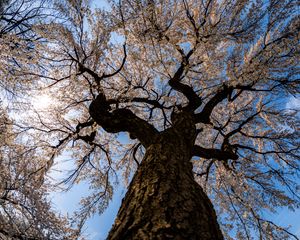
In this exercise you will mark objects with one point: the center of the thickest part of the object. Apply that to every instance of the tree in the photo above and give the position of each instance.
(25, 209)
(199, 86)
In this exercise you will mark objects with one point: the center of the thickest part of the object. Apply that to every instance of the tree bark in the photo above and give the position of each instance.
(163, 200)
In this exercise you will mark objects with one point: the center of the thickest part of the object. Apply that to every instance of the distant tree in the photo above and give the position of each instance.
(17, 38)
(200, 87)
(25, 209)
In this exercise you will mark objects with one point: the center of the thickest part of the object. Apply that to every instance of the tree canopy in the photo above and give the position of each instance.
(25, 209)
(137, 68)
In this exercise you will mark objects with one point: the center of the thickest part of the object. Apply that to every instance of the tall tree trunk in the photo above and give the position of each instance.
(163, 200)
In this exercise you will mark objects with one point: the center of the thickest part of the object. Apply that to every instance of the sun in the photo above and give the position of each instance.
(42, 102)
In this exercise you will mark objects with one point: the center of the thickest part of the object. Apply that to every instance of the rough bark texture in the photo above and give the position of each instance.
(163, 200)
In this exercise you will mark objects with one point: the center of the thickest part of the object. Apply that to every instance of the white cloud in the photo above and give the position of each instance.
(293, 103)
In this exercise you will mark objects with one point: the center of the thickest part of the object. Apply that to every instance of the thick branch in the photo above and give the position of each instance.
(194, 100)
(152, 102)
(204, 115)
(210, 153)
(121, 120)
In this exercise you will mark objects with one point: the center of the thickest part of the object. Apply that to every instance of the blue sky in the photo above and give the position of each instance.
(98, 226)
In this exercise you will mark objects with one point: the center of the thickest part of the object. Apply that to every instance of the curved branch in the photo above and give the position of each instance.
(121, 120)
(204, 115)
(194, 100)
